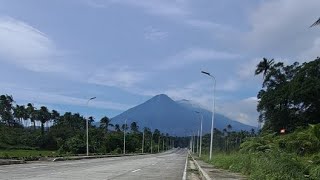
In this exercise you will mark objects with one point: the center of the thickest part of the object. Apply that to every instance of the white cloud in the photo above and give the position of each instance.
(195, 55)
(27, 47)
(154, 34)
(203, 24)
(218, 30)
(246, 70)
(228, 85)
(281, 28)
(96, 3)
(243, 110)
(39, 97)
(312, 53)
(117, 76)
(193, 92)
(155, 7)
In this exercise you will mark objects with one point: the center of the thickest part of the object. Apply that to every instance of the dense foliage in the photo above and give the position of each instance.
(269, 156)
(290, 97)
(290, 100)
(66, 133)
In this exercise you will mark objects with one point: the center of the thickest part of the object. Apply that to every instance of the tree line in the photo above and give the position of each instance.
(290, 95)
(66, 133)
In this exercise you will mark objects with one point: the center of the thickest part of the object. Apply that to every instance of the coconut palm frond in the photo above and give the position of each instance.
(316, 23)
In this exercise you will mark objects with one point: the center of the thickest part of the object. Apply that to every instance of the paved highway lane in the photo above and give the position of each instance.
(168, 165)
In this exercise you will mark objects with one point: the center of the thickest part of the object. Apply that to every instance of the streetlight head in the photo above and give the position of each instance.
(93, 98)
(206, 73)
(197, 112)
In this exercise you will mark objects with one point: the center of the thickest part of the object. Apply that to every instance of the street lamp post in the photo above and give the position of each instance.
(142, 140)
(87, 126)
(159, 144)
(200, 137)
(163, 144)
(124, 136)
(198, 142)
(151, 140)
(194, 142)
(213, 110)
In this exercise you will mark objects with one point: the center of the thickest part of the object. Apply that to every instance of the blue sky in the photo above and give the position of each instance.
(60, 53)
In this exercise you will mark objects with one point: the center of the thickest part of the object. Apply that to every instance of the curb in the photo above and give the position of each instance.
(202, 172)
(9, 162)
(92, 157)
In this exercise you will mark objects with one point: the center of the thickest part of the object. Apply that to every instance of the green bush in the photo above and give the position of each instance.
(315, 172)
(272, 156)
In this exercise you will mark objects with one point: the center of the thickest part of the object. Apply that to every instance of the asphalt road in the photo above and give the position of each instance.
(168, 165)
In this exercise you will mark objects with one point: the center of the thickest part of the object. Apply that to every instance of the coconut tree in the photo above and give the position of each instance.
(43, 115)
(134, 127)
(229, 127)
(105, 123)
(54, 116)
(6, 110)
(31, 114)
(19, 112)
(316, 23)
(264, 66)
(117, 128)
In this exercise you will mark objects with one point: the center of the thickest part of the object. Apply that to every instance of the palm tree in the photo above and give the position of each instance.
(134, 127)
(6, 109)
(264, 66)
(43, 116)
(54, 116)
(316, 23)
(117, 127)
(124, 127)
(105, 122)
(18, 113)
(31, 114)
(229, 127)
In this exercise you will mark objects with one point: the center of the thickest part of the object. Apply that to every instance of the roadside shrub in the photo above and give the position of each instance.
(315, 172)
(117, 151)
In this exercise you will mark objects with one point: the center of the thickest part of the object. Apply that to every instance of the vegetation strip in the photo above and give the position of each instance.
(202, 172)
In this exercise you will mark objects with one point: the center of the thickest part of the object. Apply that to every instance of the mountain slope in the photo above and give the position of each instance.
(177, 118)
(221, 121)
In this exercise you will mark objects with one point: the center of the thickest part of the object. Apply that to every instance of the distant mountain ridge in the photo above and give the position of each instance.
(175, 117)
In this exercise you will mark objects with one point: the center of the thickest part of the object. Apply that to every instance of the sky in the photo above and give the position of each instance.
(61, 53)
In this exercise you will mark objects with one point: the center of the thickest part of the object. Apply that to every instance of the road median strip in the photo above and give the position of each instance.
(11, 161)
(93, 157)
(202, 173)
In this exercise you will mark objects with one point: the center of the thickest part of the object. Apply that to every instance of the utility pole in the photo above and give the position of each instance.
(213, 110)
(87, 126)
(124, 136)
(159, 144)
(163, 144)
(142, 140)
(198, 143)
(151, 141)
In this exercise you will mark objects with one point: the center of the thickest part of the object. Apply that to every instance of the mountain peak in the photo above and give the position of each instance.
(162, 96)
(177, 117)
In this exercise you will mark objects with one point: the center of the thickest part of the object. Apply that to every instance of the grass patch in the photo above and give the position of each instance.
(269, 156)
(263, 165)
(268, 165)
(26, 154)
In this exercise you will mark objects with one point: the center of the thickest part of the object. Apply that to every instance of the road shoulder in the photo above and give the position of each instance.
(214, 173)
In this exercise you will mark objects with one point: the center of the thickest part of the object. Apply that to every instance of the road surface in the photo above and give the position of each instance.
(168, 165)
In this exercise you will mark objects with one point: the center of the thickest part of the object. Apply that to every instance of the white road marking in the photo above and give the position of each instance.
(136, 170)
(184, 177)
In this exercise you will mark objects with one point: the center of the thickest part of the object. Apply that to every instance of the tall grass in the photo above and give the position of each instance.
(26, 154)
(293, 156)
